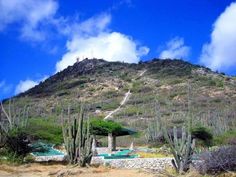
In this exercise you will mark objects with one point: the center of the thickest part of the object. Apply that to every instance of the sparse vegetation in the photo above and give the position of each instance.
(102, 86)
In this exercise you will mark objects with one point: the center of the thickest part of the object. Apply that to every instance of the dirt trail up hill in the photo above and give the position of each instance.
(125, 99)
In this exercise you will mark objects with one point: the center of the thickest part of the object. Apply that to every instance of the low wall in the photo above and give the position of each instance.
(135, 163)
(57, 158)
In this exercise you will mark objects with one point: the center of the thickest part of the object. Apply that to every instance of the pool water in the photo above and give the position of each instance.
(42, 149)
(49, 152)
(123, 154)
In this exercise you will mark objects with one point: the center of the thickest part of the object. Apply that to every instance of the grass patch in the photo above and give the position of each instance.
(152, 155)
(45, 129)
(227, 138)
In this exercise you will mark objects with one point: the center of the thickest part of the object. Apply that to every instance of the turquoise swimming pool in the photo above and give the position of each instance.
(42, 149)
(123, 154)
(49, 152)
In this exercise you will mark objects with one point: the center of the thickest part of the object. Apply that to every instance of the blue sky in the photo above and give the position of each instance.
(41, 37)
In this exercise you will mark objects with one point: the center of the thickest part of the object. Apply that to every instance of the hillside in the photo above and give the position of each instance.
(163, 87)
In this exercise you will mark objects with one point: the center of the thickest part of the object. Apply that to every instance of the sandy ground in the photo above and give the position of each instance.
(40, 170)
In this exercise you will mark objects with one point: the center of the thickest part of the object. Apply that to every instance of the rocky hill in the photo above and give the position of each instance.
(166, 88)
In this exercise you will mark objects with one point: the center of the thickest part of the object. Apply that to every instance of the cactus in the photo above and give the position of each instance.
(11, 119)
(181, 148)
(153, 132)
(14, 118)
(77, 139)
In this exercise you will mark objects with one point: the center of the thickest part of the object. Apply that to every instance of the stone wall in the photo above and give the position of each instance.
(136, 163)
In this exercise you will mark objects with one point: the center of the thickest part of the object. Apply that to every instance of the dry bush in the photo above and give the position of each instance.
(220, 160)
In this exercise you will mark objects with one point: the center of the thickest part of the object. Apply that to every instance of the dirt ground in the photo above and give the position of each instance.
(55, 170)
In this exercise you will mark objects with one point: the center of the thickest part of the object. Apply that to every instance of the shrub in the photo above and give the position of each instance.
(17, 143)
(216, 82)
(202, 133)
(29, 158)
(100, 126)
(136, 86)
(125, 77)
(222, 159)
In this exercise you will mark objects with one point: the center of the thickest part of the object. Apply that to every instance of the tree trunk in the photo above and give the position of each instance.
(114, 143)
(110, 142)
(94, 146)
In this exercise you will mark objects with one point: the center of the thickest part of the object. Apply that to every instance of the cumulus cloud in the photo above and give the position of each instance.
(27, 84)
(220, 53)
(175, 48)
(93, 39)
(29, 14)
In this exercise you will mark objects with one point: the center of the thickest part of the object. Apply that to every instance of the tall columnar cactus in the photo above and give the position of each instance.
(181, 148)
(77, 139)
(153, 131)
(12, 117)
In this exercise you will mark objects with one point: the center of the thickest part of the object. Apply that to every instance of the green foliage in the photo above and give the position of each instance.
(7, 156)
(209, 81)
(175, 81)
(202, 133)
(225, 137)
(100, 126)
(29, 158)
(45, 130)
(216, 82)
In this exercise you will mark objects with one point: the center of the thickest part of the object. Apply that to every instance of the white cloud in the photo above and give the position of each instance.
(29, 14)
(220, 53)
(175, 48)
(85, 39)
(93, 39)
(27, 84)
